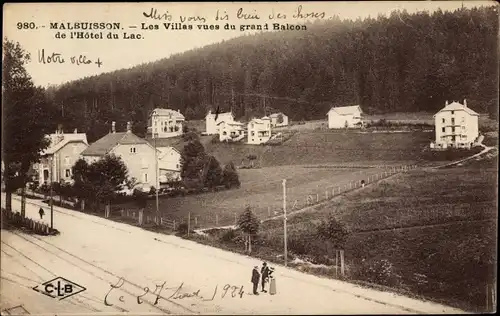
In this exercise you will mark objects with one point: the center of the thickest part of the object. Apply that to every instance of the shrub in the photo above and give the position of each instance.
(182, 228)
(33, 186)
(378, 271)
(228, 235)
(215, 139)
(333, 232)
(230, 176)
(152, 190)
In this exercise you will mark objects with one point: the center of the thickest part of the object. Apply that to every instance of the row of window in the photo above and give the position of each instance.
(164, 123)
(443, 138)
(452, 129)
(462, 120)
(168, 129)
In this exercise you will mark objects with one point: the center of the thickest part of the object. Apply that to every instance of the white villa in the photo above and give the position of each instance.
(345, 117)
(211, 122)
(456, 126)
(165, 123)
(58, 159)
(137, 154)
(278, 120)
(231, 131)
(169, 158)
(259, 130)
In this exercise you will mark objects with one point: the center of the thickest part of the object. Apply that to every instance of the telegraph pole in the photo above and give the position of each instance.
(51, 193)
(284, 220)
(157, 184)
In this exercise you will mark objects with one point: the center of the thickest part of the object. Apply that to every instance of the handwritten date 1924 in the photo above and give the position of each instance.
(178, 293)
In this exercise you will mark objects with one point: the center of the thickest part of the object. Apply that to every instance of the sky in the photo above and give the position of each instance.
(30, 25)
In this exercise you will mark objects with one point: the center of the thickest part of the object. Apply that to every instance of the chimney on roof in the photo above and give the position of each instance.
(113, 127)
(129, 127)
(446, 103)
(465, 102)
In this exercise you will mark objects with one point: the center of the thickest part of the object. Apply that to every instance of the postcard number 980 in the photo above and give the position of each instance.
(26, 25)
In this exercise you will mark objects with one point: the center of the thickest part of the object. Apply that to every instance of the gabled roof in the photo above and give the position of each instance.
(258, 121)
(167, 112)
(175, 142)
(346, 110)
(104, 145)
(55, 145)
(232, 123)
(276, 114)
(455, 106)
(221, 115)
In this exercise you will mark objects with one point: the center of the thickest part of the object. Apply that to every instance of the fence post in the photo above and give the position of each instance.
(342, 262)
(216, 219)
(487, 298)
(268, 211)
(336, 263)
(189, 222)
(317, 197)
(175, 226)
(196, 221)
(235, 220)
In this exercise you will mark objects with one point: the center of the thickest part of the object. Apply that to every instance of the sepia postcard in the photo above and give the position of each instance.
(249, 158)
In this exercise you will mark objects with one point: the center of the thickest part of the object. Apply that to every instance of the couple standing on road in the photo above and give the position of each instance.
(266, 276)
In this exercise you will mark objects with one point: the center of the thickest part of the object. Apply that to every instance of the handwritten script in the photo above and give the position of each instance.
(178, 293)
(58, 58)
(299, 13)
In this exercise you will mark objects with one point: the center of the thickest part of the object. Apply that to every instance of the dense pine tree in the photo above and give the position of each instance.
(403, 62)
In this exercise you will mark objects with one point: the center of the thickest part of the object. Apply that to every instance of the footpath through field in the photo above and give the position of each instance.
(486, 149)
(374, 179)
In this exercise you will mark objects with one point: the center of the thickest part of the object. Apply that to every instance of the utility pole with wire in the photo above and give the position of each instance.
(157, 185)
(284, 221)
(232, 100)
(51, 193)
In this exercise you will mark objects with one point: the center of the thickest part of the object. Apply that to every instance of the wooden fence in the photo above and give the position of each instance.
(15, 219)
(147, 219)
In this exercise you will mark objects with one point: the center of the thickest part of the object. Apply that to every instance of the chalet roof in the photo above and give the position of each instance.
(258, 121)
(276, 114)
(221, 115)
(346, 110)
(175, 142)
(105, 144)
(58, 141)
(167, 112)
(456, 106)
(232, 123)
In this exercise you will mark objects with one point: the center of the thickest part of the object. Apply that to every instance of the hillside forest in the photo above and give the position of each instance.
(398, 63)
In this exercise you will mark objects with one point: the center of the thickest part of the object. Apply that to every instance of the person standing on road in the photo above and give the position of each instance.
(255, 279)
(265, 276)
(272, 282)
(41, 212)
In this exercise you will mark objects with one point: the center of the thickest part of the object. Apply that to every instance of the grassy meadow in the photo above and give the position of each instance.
(315, 163)
(323, 147)
(261, 189)
(432, 233)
